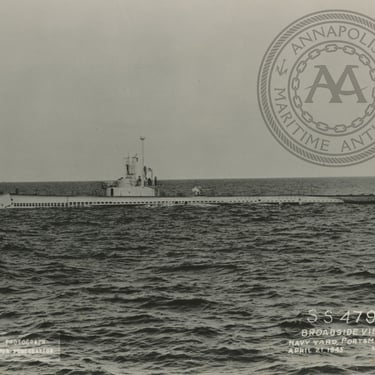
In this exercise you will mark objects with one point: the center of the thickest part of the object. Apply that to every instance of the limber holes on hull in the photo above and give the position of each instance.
(165, 203)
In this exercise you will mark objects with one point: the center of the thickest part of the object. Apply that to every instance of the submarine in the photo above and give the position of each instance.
(139, 187)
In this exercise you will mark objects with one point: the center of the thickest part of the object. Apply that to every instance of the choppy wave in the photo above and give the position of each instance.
(185, 290)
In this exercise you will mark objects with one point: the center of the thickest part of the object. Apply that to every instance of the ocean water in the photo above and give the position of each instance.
(186, 290)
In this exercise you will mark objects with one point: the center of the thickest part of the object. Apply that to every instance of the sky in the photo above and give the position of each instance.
(81, 80)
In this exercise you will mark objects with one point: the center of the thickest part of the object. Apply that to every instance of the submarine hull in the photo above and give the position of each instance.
(15, 201)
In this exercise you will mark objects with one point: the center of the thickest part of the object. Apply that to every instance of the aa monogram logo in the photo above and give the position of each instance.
(336, 89)
(316, 88)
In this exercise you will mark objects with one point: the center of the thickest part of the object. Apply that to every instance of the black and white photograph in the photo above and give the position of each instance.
(187, 187)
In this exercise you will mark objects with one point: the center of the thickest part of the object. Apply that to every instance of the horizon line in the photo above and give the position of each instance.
(192, 178)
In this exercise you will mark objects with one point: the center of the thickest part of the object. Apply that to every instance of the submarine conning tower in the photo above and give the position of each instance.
(138, 179)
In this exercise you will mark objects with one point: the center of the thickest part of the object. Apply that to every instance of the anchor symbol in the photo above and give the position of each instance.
(281, 69)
